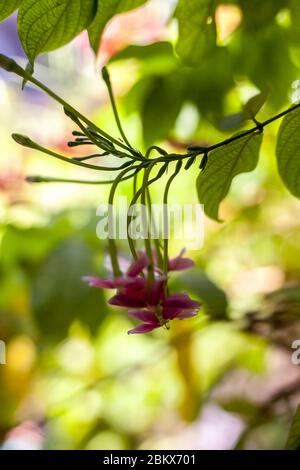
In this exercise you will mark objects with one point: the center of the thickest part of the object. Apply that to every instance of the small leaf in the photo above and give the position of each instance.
(105, 12)
(240, 406)
(288, 151)
(224, 163)
(231, 121)
(254, 105)
(7, 7)
(155, 51)
(293, 442)
(197, 30)
(49, 24)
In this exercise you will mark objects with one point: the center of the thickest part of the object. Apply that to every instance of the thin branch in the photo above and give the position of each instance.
(106, 78)
(50, 179)
(10, 65)
(258, 128)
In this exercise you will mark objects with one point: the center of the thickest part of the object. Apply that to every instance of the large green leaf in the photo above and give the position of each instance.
(60, 296)
(288, 151)
(224, 163)
(161, 107)
(293, 442)
(7, 7)
(105, 12)
(48, 24)
(197, 30)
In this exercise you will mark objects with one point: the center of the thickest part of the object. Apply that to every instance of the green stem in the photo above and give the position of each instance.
(158, 149)
(49, 179)
(147, 240)
(156, 239)
(107, 81)
(134, 200)
(111, 242)
(27, 142)
(166, 217)
(11, 66)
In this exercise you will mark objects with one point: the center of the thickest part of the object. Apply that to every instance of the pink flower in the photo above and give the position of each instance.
(139, 296)
(174, 306)
(149, 302)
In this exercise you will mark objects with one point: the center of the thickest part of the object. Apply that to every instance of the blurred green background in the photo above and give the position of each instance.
(74, 379)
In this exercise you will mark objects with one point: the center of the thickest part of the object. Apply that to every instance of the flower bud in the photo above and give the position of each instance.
(23, 140)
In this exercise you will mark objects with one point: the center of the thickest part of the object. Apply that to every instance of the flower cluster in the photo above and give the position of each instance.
(149, 302)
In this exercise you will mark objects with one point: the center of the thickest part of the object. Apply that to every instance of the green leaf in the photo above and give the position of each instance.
(197, 30)
(264, 69)
(293, 442)
(213, 298)
(240, 406)
(288, 151)
(224, 163)
(161, 107)
(258, 14)
(295, 18)
(105, 12)
(254, 105)
(150, 51)
(7, 7)
(59, 296)
(49, 24)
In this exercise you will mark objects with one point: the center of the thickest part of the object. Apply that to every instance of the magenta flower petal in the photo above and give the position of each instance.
(182, 301)
(144, 328)
(114, 283)
(176, 305)
(187, 314)
(169, 313)
(144, 315)
(138, 265)
(101, 283)
(133, 283)
(144, 299)
(157, 292)
(123, 299)
(179, 263)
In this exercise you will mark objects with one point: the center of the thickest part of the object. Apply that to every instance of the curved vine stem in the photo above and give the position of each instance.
(156, 234)
(166, 218)
(11, 66)
(111, 241)
(50, 179)
(135, 199)
(27, 142)
(145, 223)
(107, 81)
